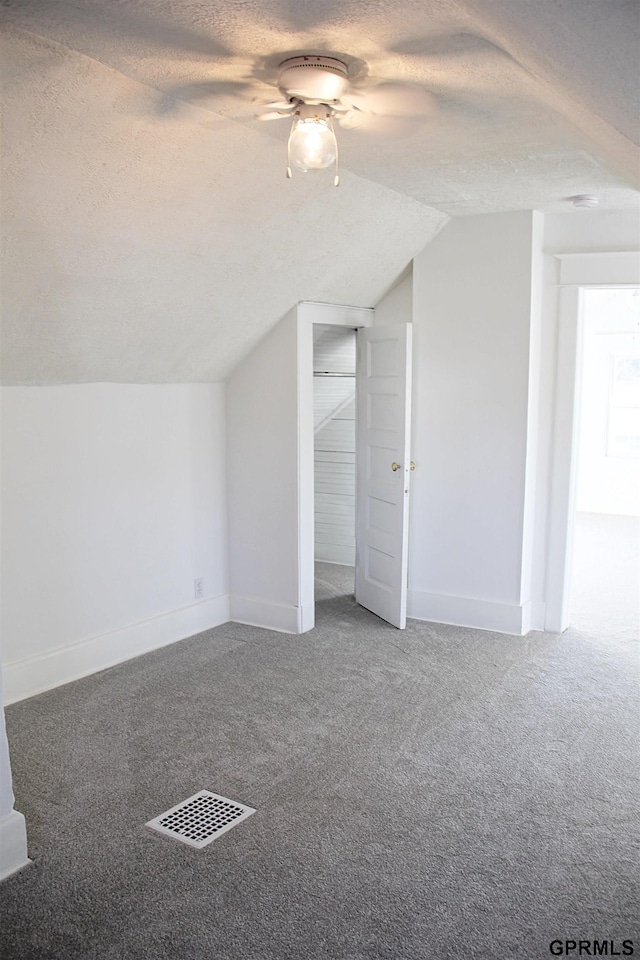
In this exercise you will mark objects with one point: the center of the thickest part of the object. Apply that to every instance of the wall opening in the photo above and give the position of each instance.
(334, 401)
(606, 542)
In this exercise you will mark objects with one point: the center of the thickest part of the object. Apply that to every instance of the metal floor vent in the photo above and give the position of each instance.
(200, 819)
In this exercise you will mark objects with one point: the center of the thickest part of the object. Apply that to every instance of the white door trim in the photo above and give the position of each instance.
(564, 460)
(335, 313)
(577, 272)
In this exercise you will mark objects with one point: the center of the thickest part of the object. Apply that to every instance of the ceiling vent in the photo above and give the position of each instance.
(585, 200)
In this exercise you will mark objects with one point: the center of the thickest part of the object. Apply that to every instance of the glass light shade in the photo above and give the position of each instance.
(312, 144)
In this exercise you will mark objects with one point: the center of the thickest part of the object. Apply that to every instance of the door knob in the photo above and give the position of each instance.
(413, 465)
(395, 466)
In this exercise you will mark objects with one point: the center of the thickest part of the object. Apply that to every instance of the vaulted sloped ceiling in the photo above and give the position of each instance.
(149, 232)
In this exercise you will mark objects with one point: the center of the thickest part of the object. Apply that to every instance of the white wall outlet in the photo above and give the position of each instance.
(198, 588)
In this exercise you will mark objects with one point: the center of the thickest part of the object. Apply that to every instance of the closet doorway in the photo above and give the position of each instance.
(334, 409)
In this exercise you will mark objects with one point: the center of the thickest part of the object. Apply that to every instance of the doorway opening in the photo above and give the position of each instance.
(334, 409)
(381, 460)
(605, 577)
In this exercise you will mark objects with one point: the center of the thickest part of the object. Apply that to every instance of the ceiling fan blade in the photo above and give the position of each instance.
(393, 100)
(379, 126)
(449, 47)
(273, 110)
(462, 62)
(350, 118)
(174, 97)
(272, 115)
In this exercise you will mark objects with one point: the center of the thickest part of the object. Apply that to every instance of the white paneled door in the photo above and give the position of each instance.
(383, 470)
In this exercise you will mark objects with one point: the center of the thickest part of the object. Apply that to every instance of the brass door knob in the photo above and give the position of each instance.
(395, 466)
(413, 465)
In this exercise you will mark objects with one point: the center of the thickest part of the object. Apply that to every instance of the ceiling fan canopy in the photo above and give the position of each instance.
(313, 80)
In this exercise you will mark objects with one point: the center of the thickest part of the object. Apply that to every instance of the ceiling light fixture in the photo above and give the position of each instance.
(316, 90)
(312, 142)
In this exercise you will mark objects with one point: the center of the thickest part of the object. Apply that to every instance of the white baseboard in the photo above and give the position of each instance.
(13, 844)
(25, 678)
(282, 617)
(510, 618)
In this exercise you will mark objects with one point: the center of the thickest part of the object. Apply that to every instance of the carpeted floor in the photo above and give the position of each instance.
(605, 592)
(333, 580)
(433, 793)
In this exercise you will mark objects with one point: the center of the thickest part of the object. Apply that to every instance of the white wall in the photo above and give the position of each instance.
(113, 502)
(473, 300)
(263, 481)
(397, 305)
(592, 231)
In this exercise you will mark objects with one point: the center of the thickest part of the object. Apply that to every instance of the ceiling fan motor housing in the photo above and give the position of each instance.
(313, 79)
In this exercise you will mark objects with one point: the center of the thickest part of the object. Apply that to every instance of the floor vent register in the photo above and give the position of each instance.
(200, 819)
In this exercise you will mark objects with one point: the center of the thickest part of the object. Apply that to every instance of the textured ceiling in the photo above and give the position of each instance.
(150, 234)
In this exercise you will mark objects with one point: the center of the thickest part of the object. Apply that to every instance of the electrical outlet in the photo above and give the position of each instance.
(198, 588)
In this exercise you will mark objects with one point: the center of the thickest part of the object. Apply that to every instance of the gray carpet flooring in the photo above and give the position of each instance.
(605, 592)
(437, 792)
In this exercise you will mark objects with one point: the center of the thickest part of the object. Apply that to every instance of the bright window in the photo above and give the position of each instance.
(623, 422)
